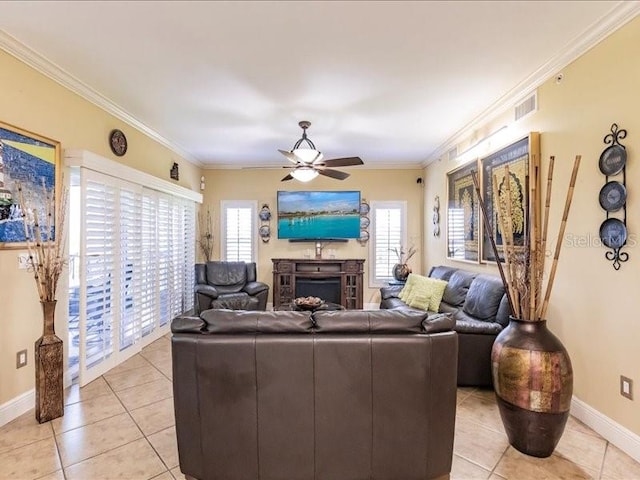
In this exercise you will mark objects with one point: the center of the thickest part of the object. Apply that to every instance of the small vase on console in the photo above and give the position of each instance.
(401, 271)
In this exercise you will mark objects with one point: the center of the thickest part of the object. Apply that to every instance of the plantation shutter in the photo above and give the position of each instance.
(149, 268)
(164, 258)
(99, 272)
(388, 226)
(176, 270)
(238, 231)
(130, 265)
(136, 251)
(189, 255)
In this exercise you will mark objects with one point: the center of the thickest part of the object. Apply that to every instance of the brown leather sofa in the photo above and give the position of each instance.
(479, 306)
(231, 285)
(333, 395)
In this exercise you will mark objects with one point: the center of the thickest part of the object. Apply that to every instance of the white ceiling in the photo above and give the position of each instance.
(225, 83)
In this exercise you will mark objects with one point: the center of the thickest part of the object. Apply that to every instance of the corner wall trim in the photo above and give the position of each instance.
(16, 407)
(621, 437)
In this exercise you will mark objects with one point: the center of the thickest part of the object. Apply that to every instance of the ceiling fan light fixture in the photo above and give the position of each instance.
(304, 174)
(307, 155)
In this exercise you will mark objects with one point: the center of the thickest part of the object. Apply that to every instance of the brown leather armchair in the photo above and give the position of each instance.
(230, 285)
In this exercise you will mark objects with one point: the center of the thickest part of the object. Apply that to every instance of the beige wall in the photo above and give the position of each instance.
(35, 103)
(593, 308)
(262, 185)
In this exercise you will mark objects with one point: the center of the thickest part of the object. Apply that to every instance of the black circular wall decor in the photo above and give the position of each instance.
(118, 142)
(612, 160)
(613, 233)
(613, 196)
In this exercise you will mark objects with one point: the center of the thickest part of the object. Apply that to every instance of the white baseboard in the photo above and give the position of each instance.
(16, 407)
(621, 437)
(23, 403)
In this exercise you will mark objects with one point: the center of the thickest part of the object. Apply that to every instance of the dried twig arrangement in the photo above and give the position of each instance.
(205, 238)
(45, 238)
(404, 255)
(523, 273)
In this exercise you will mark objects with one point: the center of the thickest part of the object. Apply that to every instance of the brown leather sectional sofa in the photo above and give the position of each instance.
(333, 395)
(479, 307)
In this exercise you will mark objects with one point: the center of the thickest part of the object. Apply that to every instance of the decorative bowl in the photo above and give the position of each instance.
(308, 303)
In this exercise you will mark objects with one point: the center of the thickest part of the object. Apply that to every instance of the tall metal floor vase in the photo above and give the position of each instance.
(45, 244)
(49, 369)
(532, 373)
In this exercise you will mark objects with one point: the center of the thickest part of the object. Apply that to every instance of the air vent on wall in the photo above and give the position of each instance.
(527, 106)
(453, 153)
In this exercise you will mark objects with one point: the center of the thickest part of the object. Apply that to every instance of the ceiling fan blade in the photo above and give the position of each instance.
(337, 174)
(343, 162)
(288, 177)
(290, 156)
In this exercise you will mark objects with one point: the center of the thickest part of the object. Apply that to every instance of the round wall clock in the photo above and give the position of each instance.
(118, 142)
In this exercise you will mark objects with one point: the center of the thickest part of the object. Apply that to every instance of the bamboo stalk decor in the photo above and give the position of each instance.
(534, 409)
(523, 273)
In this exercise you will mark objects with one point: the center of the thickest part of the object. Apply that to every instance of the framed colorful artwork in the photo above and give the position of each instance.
(30, 160)
(463, 220)
(523, 160)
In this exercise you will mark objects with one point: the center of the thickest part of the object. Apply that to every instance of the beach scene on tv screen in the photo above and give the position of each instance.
(318, 215)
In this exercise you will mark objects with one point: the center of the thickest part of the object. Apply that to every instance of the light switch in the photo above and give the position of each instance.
(23, 261)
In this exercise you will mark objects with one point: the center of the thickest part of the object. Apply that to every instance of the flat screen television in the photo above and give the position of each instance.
(318, 216)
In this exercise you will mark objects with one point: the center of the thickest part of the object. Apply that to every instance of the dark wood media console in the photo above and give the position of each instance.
(318, 277)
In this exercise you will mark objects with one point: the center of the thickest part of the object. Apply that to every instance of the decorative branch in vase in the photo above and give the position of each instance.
(205, 238)
(401, 270)
(45, 240)
(532, 372)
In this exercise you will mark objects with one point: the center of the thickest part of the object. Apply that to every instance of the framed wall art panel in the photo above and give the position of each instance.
(463, 219)
(28, 159)
(523, 159)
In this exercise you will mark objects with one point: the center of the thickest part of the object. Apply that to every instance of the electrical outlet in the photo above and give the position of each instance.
(21, 359)
(626, 387)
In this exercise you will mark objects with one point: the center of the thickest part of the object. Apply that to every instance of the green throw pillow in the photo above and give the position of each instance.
(420, 300)
(428, 287)
(408, 286)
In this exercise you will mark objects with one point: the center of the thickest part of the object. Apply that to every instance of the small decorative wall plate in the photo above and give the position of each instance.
(364, 236)
(613, 233)
(364, 222)
(265, 213)
(613, 160)
(118, 142)
(613, 196)
(265, 231)
(364, 208)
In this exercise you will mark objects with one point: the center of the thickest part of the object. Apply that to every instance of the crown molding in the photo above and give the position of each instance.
(622, 13)
(57, 74)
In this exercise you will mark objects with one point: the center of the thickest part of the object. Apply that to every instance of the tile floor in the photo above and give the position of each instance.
(122, 426)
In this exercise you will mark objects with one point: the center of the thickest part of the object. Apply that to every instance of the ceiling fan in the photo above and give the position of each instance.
(309, 162)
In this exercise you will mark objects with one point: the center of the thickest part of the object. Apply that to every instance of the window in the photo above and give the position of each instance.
(389, 230)
(238, 231)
